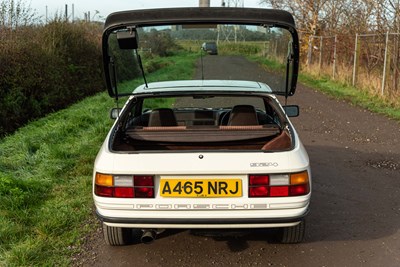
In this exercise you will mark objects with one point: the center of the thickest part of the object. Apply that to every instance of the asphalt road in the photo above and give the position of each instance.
(355, 209)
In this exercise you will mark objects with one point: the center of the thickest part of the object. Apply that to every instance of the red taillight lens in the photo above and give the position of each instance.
(299, 190)
(103, 191)
(279, 191)
(123, 192)
(258, 185)
(144, 186)
(259, 191)
(258, 180)
(144, 192)
(143, 181)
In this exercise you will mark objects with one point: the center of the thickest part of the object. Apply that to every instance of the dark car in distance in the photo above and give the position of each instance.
(210, 48)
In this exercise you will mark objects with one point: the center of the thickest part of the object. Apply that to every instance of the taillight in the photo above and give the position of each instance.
(144, 186)
(103, 191)
(279, 185)
(258, 185)
(279, 191)
(143, 181)
(124, 186)
(258, 179)
(123, 192)
(144, 192)
(299, 190)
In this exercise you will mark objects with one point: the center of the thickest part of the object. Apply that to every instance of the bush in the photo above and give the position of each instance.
(159, 43)
(47, 68)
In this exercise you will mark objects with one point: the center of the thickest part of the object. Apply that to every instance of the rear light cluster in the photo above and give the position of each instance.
(124, 186)
(279, 185)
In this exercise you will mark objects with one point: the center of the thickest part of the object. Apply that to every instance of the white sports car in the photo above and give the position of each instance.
(202, 153)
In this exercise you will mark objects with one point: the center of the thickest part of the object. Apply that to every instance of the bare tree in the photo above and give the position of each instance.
(308, 13)
(16, 13)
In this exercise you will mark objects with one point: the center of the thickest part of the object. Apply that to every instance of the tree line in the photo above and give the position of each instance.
(368, 32)
(330, 17)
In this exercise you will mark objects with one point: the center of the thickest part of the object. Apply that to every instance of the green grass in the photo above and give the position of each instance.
(352, 94)
(174, 67)
(45, 184)
(338, 90)
(45, 179)
(181, 67)
(269, 64)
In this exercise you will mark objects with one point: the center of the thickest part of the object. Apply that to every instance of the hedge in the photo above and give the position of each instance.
(47, 68)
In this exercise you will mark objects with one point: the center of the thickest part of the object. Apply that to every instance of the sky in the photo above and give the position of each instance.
(106, 7)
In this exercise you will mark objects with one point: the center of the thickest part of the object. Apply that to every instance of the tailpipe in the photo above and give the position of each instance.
(148, 236)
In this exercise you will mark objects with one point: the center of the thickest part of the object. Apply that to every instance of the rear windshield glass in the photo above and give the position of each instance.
(220, 51)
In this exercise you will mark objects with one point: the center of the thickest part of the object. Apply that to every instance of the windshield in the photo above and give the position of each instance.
(139, 55)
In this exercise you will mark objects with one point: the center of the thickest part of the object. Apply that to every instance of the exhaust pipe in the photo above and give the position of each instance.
(148, 236)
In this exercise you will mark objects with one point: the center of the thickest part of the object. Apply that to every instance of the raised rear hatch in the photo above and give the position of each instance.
(132, 39)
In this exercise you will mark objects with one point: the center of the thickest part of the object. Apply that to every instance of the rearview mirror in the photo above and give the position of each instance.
(292, 110)
(114, 113)
(127, 40)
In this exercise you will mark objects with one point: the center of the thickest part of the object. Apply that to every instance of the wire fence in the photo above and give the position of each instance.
(369, 61)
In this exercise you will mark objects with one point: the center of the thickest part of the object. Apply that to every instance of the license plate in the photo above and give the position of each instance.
(201, 187)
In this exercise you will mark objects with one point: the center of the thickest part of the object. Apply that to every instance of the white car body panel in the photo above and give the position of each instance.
(212, 164)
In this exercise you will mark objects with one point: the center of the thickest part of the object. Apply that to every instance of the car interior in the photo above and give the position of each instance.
(240, 127)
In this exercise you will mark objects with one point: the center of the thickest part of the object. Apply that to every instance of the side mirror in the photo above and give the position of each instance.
(292, 110)
(114, 113)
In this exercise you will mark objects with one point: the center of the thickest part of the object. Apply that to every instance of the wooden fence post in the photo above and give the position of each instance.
(334, 57)
(385, 62)
(356, 54)
(320, 53)
(396, 62)
(309, 55)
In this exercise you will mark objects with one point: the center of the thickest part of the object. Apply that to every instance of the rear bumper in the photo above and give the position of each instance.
(201, 223)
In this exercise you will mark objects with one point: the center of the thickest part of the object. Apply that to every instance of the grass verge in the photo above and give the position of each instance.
(339, 90)
(45, 179)
(353, 95)
(45, 185)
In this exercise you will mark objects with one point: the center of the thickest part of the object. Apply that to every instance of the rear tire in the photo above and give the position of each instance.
(294, 234)
(117, 236)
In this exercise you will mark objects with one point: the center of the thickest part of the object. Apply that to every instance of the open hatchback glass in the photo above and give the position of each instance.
(133, 39)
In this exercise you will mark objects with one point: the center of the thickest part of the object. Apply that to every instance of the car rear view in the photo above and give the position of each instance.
(201, 153)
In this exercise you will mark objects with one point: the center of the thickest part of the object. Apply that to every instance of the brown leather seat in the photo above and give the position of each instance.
(162, 117)
(243, 115)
